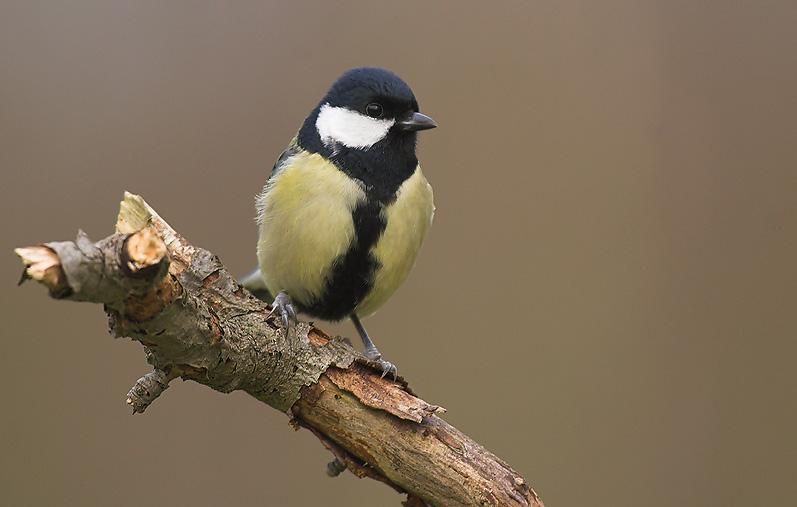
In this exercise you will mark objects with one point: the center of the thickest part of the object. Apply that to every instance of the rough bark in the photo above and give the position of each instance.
(196, 322)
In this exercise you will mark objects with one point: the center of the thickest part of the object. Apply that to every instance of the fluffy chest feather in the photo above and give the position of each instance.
(305, 216)
(330, 247)
(408, 218)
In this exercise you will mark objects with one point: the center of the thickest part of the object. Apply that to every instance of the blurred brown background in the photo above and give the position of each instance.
(606, 300)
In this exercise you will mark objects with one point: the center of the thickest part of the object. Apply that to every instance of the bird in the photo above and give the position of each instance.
(346, 208)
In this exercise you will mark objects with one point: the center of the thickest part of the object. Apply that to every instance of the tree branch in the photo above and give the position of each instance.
(196, 322)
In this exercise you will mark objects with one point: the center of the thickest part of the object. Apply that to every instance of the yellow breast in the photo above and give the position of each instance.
(305, 215)
(407, 218)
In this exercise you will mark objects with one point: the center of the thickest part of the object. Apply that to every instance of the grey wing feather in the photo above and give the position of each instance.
(292, 149)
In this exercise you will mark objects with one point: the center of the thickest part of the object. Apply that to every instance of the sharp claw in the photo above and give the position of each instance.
(282, 304)
(388, 368)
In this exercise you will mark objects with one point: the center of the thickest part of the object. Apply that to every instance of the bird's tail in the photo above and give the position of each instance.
(254, 283)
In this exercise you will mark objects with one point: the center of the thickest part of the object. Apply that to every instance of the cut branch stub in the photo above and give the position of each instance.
(143, 252)
(43, 265)
(107, 272)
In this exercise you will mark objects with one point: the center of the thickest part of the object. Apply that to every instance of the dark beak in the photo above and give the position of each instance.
(417, 121)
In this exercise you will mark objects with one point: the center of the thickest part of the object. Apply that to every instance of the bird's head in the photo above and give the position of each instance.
(366, 106)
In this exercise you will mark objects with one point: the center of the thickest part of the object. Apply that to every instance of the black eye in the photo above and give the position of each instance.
(374, 110)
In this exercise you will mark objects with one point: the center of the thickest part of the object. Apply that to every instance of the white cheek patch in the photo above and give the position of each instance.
(338, 125)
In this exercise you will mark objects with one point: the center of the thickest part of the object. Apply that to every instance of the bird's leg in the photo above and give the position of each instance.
(284, 307)
(371, 352)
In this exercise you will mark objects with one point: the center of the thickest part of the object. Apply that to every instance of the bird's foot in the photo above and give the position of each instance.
(284, 307)
(373, 354)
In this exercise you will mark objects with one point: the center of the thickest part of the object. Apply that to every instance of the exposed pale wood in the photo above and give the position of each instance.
(144, 249)
(196, 322)
(431, 458)
(43, 265)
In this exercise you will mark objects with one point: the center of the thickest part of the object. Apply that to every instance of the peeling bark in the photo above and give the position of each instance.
(197, 323)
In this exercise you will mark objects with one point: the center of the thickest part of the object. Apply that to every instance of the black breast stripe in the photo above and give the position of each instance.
(352, 274)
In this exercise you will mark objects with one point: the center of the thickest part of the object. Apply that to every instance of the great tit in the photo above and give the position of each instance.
(346, 208)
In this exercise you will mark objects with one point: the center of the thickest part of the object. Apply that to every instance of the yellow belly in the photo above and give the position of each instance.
(408, 218)
(305, 215)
